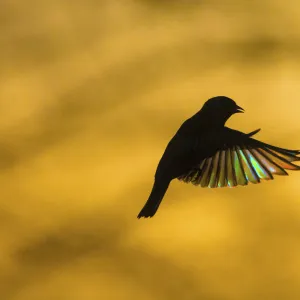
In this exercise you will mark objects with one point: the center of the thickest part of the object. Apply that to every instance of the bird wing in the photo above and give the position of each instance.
(242, 160)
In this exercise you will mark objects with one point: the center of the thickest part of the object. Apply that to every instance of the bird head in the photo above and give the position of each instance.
(220, 109)
(224, 104)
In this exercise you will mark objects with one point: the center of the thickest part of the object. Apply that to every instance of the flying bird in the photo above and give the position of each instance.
(208, 154)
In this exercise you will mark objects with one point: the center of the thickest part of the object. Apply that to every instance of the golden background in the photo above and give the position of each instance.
(91, 92)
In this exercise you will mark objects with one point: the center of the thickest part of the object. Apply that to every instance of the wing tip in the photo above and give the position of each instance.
(253, 132)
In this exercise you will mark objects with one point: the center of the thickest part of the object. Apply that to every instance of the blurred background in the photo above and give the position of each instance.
(91, 92)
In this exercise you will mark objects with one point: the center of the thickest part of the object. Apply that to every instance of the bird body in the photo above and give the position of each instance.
(206, 152)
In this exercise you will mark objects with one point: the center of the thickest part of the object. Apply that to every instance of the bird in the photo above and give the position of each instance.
(206, 153)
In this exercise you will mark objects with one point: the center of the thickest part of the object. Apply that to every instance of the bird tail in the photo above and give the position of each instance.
(158, 191)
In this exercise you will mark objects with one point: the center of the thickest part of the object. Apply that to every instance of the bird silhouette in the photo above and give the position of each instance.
(207, 153)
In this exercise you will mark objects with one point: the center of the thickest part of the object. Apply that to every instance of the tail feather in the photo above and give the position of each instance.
(158, 191)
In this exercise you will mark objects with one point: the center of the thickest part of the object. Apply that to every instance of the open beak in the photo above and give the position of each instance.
(239, 109)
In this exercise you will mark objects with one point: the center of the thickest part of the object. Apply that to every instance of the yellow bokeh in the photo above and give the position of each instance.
(90, 94)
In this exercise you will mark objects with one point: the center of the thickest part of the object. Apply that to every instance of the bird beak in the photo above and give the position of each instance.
(239, 109)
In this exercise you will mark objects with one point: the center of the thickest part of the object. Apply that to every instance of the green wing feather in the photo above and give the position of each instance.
(251, 161)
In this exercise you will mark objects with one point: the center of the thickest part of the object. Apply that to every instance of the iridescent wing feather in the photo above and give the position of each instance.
(250, 161)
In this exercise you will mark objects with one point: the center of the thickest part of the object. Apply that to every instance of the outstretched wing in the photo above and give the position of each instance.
(245, 160)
